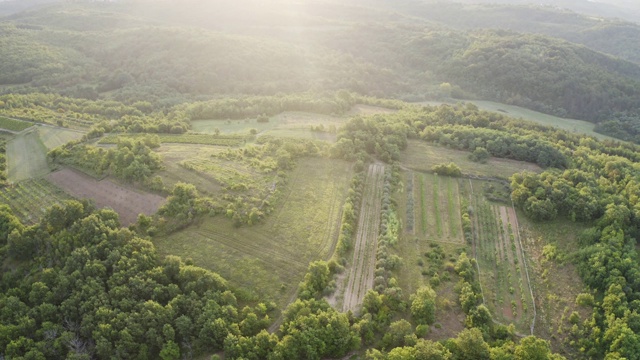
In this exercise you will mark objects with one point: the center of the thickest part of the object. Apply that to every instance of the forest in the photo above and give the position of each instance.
(322, 180)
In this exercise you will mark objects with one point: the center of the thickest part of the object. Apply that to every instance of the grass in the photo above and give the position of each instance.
(269, 259)
(439, 208)
(204, 139)
(174, 154)
(302, 134)
(290, 120)
(421, 156)
(53, 137)
(556, 281)
(570, 125)
(436, 205)
(29, 199)
(26, 157)
(14, 125)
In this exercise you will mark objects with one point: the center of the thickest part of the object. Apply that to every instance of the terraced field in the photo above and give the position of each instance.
(361, 269)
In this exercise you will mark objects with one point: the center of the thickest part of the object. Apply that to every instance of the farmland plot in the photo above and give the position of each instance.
(437, 215)
(30, 199)
(497, 248)
(127, 202)
(361, 269)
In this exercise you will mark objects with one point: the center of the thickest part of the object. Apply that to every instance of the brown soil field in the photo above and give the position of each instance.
(128, 203)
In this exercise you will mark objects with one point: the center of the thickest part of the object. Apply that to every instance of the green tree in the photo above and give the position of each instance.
(423, 305)
(469, 345)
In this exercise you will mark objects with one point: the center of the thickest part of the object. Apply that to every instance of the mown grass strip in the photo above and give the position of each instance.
(436, 205)
(453, 228)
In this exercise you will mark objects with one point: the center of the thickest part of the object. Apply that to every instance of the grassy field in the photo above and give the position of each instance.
(269, 259)
(203, 139)
(14, 125)
(53, 137)
(174, 154)
(26, 157)
(196, 164)
(302, 134)
(570, 125)
(29, 199)
(436, 208)
(290, 120)
(421, 156)
(556, 280)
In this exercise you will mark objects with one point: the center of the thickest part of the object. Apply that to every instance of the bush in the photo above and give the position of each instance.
(450, 169)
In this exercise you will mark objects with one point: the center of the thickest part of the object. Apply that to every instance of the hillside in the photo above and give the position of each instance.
(146, 57)
(275, 180)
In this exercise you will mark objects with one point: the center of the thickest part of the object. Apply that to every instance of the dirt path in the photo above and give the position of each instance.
(128, 203)
(361, 272)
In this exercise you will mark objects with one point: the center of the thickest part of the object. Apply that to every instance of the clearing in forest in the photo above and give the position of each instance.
(128, 203)
(436, 207)
(269, 259)
(289, 120)
(361, 270)
(30, 199)
(26, 157)
(498, 251)
(422, 156)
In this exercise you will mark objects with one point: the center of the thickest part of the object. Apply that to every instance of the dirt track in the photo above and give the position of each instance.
(361, 272)
(128, 203)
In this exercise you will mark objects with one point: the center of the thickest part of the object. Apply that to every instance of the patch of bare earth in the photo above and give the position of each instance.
(361, 272)
(128, 203)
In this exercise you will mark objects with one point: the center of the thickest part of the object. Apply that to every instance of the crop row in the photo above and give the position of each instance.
(30, 199)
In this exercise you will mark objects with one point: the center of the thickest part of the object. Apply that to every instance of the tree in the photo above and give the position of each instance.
(400, 333)
(8, 223)
(423, 305)
(532, 348)
(429, 350)
(480, 155)
(469, 345)
(170, 351)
